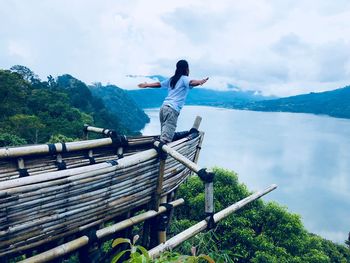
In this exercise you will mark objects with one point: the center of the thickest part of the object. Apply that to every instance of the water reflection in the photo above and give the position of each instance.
(306, 155)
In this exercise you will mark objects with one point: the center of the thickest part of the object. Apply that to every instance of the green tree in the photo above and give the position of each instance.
(26, 126)
(7, 139)
(25, 72)
(59, 138)
(14, 92)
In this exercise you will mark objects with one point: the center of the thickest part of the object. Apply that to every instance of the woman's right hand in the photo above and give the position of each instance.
(204, 80)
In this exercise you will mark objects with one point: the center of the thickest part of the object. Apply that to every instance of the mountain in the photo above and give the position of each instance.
(110, 106)
(334, 103)
(150, 98)
(121, 106)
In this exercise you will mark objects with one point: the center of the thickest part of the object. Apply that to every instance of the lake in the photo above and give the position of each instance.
(307, 156)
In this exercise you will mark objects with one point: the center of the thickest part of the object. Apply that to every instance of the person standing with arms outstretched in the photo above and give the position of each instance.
(178, 87)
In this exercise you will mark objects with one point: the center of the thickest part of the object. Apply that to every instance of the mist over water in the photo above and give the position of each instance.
(307, 156)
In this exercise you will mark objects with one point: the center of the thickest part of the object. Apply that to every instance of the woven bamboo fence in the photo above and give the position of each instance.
(50, 192)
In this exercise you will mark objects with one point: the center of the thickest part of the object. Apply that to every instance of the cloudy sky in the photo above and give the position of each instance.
(280, 47)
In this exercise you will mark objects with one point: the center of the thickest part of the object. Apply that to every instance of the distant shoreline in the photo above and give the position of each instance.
(250, 110)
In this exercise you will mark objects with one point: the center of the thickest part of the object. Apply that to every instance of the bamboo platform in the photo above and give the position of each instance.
(56, 199)
(52, 192)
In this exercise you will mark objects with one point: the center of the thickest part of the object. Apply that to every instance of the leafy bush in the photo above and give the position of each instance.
(260, 232)
(138, 254)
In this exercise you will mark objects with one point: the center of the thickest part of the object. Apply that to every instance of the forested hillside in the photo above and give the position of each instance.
(34, 111)
(333, 103)
(121, 105)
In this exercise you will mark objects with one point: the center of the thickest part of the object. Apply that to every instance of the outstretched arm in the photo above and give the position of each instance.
(194, 82)
(149, 85)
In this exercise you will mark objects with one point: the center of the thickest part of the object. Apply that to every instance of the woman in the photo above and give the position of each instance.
(178, 87)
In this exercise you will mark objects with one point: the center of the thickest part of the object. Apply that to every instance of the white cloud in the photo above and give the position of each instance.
(279, 47)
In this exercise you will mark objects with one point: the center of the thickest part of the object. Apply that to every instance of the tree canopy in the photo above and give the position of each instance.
(32, 111)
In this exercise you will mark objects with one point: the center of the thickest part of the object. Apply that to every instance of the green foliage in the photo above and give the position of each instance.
(260, 232)
(14, 91)
(32, 110)
(121, 106)
(176, 257)
(25, 72)
(135, 253)
(82, 98)
(7, 139)
(205, 243)
(26, 126)
(138, 254)
(60, 138)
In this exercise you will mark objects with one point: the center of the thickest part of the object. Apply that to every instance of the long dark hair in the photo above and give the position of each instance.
(181, 69)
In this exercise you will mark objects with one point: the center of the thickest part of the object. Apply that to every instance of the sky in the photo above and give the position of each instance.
(279, 47)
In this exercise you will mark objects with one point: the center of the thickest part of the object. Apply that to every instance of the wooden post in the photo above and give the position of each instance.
(162, 231)
(146, 228)
(199, 147)
(120, 152)
(85, 132)
(202, 225)
(209, 198)
(197, 122)
(159, 188)
(20, 163)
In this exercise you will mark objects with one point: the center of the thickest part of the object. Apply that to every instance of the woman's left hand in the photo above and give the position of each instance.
(142, 85)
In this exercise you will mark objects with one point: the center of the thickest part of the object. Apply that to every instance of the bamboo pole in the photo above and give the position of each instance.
(162, 232)
(197, 122)
(41, 149)
(202, 225)
(98, 130)
(209, 198)
(179, 157)
(159, 184)
(209, 191)
(84, 240)
(199, 147)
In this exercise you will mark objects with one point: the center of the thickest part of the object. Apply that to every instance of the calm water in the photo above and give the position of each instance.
(307, 156)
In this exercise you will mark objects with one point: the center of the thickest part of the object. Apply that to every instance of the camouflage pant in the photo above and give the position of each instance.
(168, 119)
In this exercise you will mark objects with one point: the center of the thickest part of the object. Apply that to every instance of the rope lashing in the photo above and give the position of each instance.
(163, 219)
(206, 177)
(161, 154)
